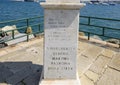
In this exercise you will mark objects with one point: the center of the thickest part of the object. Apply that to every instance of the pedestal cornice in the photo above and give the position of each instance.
(72, 6)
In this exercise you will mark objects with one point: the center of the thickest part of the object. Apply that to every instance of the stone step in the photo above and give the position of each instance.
(4, 73)
(19, 76)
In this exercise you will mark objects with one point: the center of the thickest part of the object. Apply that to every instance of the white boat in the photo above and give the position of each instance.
(90, 3)
(96, 3)
(111, 3)
(103, 3)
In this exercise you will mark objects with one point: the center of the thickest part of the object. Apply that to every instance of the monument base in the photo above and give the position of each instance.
(61, 82)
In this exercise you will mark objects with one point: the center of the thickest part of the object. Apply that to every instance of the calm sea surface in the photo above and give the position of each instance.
(18, 10)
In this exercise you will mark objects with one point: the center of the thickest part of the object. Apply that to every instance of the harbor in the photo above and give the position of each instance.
(59, 47)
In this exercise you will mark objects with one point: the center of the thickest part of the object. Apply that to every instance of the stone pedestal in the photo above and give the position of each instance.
(61, 26)
(61, 82)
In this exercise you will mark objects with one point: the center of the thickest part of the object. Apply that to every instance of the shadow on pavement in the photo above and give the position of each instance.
(20, 73)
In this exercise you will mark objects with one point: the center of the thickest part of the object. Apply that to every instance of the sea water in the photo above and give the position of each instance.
(18, 10)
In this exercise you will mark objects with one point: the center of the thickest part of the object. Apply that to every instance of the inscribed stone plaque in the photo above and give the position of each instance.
(61, 37)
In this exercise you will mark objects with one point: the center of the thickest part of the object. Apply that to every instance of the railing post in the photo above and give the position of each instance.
(103, 32)
(27, 22)
(119, 43)
(13, 34)
(88, 20)
(39, 28)
(27, 37)
(26, 29)
(88, 36)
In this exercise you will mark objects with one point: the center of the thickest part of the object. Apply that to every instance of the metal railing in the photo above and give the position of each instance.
(26, 22)
(103, 27)
(86, 26)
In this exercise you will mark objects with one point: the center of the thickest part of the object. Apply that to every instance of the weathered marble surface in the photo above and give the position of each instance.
(61, 37)
(61, 25)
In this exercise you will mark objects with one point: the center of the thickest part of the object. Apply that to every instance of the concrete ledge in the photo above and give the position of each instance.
(104, 43)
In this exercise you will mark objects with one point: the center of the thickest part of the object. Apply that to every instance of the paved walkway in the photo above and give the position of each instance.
(97, 65)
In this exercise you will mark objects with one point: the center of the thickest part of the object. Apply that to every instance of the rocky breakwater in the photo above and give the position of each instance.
(6, 34)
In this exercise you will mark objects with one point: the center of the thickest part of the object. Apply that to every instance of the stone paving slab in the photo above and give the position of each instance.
(82, 46)
(108, 53)
(83, 64)
(12, 48)
(12, 55)
(2, 52)
(4, 84)
(86, 81)
(99, 65)
(92, 76)
(92, 52)
(115, 62)
(30, 43)
(110, 77)
(18, 58)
